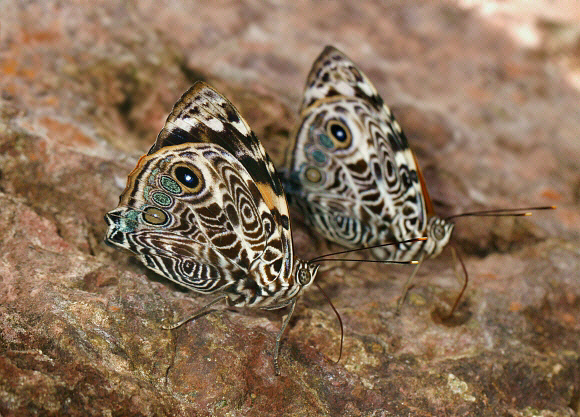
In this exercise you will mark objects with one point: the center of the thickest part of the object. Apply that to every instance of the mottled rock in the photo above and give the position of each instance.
(84, 92)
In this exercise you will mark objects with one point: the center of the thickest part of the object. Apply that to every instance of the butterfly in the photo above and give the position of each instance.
(351, 170)
(205, 209)
(352, 174)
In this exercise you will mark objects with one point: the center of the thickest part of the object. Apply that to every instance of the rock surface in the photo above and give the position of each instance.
(84, 92)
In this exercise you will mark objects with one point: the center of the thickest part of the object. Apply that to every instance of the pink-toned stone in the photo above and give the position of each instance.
(85, 90)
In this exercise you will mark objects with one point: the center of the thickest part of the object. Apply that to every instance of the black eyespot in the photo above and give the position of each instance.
(190, 177)
(338, 132)
(187, 177)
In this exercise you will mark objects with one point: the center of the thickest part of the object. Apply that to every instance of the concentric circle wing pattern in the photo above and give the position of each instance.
(351, 171)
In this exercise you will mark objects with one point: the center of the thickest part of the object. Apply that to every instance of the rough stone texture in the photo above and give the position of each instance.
(84, 91)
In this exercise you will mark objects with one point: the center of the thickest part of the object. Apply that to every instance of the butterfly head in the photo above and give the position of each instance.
(439, 233)
(305, 272)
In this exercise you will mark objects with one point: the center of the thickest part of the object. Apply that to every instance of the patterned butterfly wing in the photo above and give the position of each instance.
(351, 169)
(205, 209)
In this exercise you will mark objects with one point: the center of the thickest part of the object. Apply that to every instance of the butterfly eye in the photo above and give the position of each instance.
(438, 232)
(303, 276)
(190, 178)
(339, 133)
(153, 215)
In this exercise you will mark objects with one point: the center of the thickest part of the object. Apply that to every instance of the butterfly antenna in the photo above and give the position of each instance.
(370, 261)
(339, 320)
(517, 212)
(457, 257)
(321, 257)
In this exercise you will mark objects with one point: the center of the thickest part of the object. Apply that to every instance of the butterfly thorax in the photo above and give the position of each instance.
(247, 291)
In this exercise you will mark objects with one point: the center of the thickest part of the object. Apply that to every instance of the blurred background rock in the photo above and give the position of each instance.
(488, 94)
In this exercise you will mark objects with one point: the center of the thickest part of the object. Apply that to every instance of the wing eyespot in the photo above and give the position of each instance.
(170, 185)
(319, 157)
(189, 177)
(313, 175)
(339, 133)
(162, 199)
(155, 216)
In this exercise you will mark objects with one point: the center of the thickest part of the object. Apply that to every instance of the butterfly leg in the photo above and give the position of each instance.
(279, 337)
(407, 286)
(197, 314)
(457, 260)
